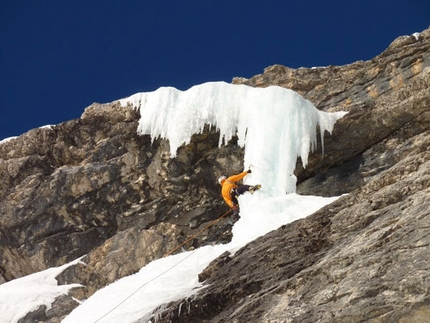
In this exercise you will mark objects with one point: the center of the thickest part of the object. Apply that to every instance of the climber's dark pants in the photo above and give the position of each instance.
(238, 191)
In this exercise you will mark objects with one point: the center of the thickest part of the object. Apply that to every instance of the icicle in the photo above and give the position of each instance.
(269, 122)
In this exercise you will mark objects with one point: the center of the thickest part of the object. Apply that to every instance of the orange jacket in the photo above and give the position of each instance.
(229, 184)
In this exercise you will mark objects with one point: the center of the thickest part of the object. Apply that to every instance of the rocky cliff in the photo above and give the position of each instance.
(93, 187)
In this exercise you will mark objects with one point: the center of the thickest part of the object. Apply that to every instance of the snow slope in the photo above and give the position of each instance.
(21, 296)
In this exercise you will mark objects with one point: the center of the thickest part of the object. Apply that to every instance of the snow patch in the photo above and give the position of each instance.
(5, 140)
(24, 295)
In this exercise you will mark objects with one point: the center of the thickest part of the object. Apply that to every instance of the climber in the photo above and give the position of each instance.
(230, 190)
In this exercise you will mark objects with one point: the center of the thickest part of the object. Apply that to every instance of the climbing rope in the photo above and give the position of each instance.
(167, 270)
(197, 234)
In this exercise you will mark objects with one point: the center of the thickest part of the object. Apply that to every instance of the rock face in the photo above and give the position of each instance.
(387, 98)
(91, 187)
(364, 258)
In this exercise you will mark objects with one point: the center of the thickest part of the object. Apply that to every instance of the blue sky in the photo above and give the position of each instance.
(58, 57)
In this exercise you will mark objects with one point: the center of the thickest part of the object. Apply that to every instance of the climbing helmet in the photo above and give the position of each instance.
(221, 178)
